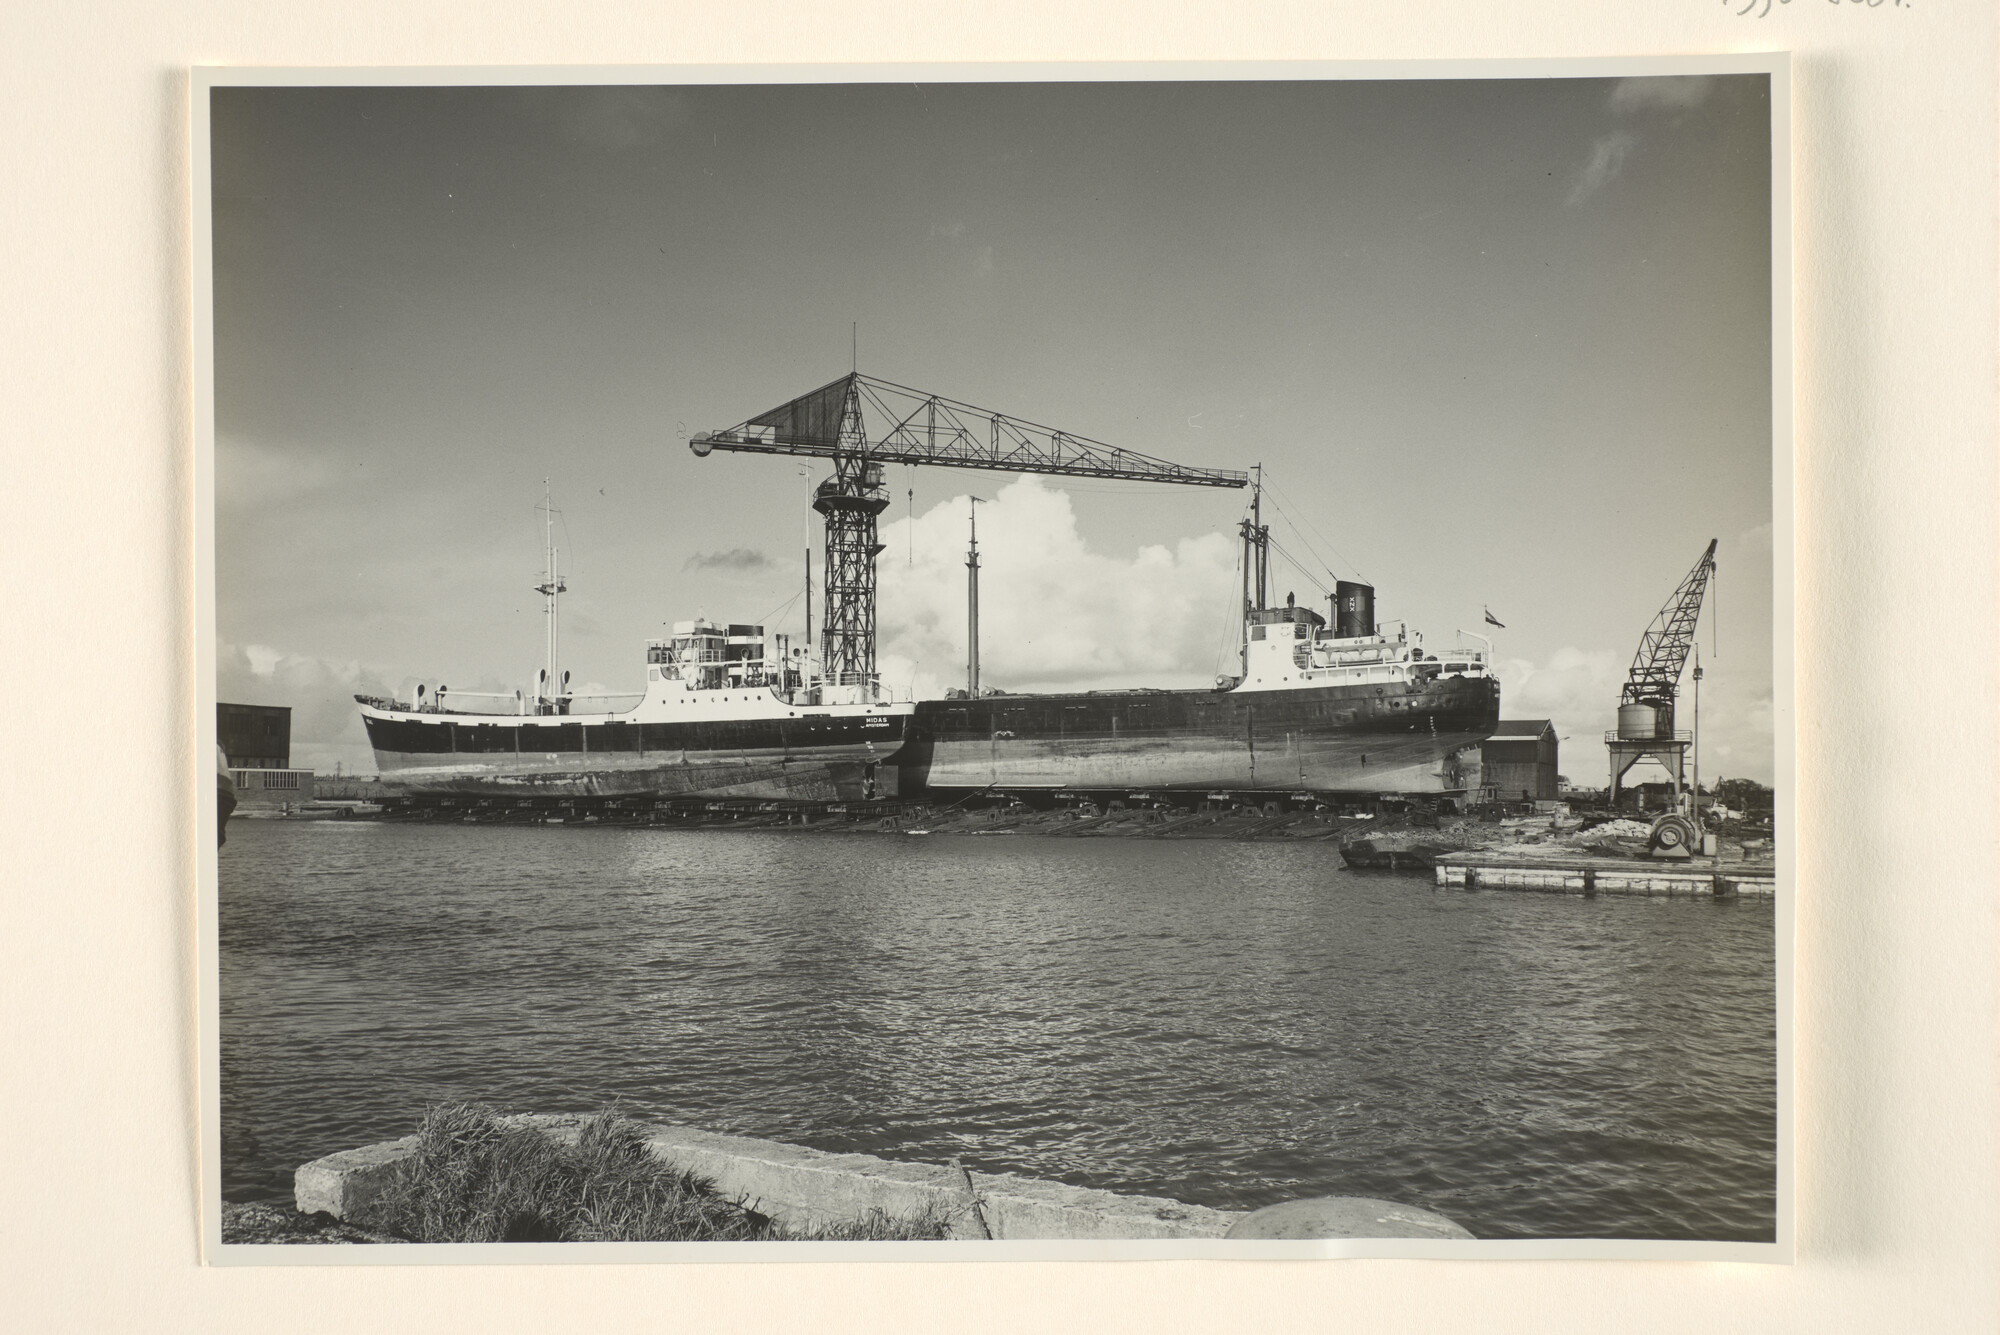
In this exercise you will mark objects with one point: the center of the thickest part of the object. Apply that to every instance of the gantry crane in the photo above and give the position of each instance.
(910, 426)
(1646, 704)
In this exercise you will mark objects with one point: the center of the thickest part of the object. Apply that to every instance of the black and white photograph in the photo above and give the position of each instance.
(1181, 661)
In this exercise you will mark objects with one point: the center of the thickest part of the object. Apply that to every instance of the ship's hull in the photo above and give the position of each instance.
(1361, 738)
(1358, 738)
(820, 758)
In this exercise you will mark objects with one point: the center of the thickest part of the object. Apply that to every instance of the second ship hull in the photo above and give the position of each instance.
(1351, 738)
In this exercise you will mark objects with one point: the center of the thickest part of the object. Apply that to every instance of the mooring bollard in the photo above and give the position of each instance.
(1344, 1217)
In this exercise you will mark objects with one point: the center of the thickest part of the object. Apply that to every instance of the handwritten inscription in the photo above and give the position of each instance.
(1758, 9)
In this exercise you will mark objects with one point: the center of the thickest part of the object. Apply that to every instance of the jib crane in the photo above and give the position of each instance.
(1646, 704)
(910, 426)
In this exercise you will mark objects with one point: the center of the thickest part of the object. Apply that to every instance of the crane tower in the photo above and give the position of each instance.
(1646, 704)
(909, 426)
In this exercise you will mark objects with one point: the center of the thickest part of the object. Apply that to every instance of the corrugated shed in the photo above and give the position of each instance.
(1519, 762)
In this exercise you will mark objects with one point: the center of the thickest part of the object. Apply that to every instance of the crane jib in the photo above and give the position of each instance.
(928, 429)
(1009, 463)
(1663, 650)
(860, 424)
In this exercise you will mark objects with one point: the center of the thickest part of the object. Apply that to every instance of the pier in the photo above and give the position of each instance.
(1589, 876)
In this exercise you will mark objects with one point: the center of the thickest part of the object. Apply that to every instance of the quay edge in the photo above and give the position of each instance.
(799, 1187)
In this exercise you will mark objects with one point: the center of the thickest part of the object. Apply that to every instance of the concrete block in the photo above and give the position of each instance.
(1025, 1207)
(803, 1188)
(1344, 1217)
(354, 1184)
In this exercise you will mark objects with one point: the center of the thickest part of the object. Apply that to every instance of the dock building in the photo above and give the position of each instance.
(257, 740)
(1518, 762)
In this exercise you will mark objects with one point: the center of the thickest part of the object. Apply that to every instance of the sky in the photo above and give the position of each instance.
(1497, 344)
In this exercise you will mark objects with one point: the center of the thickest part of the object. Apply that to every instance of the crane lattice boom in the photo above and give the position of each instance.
(919, 428)
(910, 427)
(1656, 669)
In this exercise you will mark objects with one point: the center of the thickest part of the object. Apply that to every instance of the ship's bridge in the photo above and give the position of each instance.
(1294, 614)
(707, 655)
(1293, 647)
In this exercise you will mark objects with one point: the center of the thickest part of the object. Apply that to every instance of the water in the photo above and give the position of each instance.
(1229, 1024)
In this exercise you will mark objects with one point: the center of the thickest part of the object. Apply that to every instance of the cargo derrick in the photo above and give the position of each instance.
(916, 428)
(1646, 704)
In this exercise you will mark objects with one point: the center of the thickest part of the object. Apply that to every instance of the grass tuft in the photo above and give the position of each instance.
(875, 1226)
(477, 1178)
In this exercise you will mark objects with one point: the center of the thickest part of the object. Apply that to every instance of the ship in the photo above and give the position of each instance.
(1332, 705)
(718, 719)
(1324, 709)
(1341, 708)
(727, 712)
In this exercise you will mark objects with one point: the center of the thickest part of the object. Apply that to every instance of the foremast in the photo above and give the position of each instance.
(554, 689)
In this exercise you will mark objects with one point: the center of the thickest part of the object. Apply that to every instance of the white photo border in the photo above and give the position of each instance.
(203, 79)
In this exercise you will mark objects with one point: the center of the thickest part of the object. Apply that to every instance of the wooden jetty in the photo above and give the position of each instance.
(1587, 875)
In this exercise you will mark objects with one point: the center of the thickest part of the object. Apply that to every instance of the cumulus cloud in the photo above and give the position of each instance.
(1661, 93)
(1578, 690)
(326, 728)
(326, 725)
(738, 560)
(1054, 613)
(1607, 158)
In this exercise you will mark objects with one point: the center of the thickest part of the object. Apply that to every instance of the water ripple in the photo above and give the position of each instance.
(1226, 1024)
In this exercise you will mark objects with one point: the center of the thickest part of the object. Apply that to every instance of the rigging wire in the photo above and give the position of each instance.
(1305, 541)
(769, 618)
(1235, 581)
(1315, 531)
(1301, 567)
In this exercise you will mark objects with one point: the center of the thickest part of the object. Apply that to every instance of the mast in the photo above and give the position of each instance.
(1695, 796)
(551, 588)
(972, 607)
(1263, 538)
(1243, 646)
(1256, 544)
